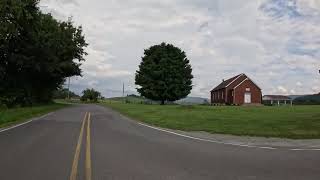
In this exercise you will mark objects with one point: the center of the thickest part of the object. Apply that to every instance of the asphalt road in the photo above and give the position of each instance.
(112, 147)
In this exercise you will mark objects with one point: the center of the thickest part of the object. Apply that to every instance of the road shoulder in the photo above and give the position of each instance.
(27, 118)
(245, 141)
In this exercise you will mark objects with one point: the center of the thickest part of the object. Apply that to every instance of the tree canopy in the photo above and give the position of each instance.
(164, 73)
(37, 52)
(91, 95)
(64, 93)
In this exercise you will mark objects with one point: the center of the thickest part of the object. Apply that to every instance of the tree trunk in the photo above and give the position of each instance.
(162, 102)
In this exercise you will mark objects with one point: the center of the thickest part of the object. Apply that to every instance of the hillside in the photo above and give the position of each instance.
(131, 99)
(192, 100)
(139, 99)
(293, 97)
(308, 99)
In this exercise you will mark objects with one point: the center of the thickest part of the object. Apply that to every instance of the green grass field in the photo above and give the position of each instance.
(16, 115)
(297, 122)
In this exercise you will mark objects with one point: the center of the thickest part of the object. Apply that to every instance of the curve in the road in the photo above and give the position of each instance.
(220, 142)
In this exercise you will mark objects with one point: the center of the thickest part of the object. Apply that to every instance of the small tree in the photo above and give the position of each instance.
(164, 74)
(90, 94)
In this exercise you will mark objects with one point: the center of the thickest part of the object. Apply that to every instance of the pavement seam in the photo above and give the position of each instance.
(304, 149)
(219, 142)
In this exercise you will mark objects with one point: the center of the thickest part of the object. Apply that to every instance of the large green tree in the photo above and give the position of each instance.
(164, 74)
(37, 52)
(91, 95)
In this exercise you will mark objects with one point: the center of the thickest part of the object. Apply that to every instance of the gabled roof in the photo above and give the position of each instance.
(227, 82)
(244, 78)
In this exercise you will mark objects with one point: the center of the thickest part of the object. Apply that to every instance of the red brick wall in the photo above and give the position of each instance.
(229, 99)
(237, 81)
(241, 90)
(220, 99)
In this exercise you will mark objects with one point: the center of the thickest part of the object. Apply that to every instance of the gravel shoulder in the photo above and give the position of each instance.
(255, 141)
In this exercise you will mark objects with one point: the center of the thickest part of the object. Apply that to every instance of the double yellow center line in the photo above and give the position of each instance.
(88, 151)
(88, 171)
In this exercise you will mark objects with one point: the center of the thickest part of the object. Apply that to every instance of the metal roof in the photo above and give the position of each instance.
(225, 83)
(276, 97)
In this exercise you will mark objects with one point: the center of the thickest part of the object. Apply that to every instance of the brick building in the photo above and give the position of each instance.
(237, 90)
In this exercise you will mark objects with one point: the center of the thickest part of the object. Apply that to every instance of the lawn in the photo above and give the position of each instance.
(16, 115)
(297, 122)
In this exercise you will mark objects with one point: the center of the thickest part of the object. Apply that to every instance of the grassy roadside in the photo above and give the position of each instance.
(297, 122)
(16, 115)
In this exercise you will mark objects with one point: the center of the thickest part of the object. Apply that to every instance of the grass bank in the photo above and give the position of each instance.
(297, 122)
(16, 115)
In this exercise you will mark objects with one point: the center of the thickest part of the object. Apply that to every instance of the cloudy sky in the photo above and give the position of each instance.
(275, 42)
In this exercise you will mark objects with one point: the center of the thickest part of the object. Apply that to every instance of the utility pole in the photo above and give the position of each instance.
(122, 89)
(124, 99)
(68, 87)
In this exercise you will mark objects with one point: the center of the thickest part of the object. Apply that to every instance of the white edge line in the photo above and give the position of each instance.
(206, 140)
(305, 149)
(219, 142)
(34, 119)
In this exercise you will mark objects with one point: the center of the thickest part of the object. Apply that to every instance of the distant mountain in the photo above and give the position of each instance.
(308, 99)
(293, 97)
(139, 99)
(131, 98)
(192, 100)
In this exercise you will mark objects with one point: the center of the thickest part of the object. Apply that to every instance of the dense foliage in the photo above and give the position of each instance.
(164, 73)
(90, 95)
(63, 93)
(37, 53)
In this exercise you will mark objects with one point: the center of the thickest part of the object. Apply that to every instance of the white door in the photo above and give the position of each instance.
(247, 97)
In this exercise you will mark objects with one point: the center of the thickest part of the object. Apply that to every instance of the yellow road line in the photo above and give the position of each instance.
(74, 169)
(88, 151)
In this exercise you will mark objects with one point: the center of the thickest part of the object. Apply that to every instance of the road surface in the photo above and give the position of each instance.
(89, 142)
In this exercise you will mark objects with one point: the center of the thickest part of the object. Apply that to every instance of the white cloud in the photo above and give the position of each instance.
(316, 89)
(309, 6)
(282, 90)
(299, 84)
(292, 91)
(221, 38)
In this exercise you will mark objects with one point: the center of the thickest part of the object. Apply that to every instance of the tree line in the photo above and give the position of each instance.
(37, 53)
(88, 95)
